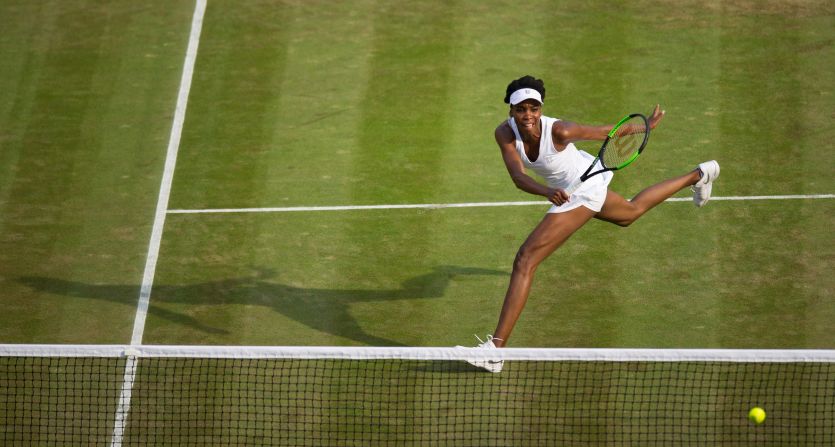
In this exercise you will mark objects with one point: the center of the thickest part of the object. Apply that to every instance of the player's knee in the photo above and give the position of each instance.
(631, 216)
(524, 263)
(625, 222)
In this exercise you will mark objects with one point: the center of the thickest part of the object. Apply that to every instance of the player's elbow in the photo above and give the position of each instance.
(518, 180)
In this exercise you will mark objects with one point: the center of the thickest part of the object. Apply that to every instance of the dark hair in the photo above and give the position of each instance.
(525, 82)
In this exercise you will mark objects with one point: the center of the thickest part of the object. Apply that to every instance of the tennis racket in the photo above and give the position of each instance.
(622, 146)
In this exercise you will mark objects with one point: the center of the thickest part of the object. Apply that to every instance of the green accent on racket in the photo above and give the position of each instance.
(625, 142)
(622, 146)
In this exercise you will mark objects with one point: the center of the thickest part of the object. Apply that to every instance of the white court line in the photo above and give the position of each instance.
(462, 205)
(123, 408)
(168, 173)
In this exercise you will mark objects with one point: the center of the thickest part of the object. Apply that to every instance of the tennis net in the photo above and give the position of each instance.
(253, 396)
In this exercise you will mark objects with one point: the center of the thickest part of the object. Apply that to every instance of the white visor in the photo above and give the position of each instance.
(523, 94)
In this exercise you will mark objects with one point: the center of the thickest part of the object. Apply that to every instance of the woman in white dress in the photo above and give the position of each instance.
(527, 139)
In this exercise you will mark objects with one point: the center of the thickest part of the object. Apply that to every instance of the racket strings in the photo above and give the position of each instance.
(625, 143)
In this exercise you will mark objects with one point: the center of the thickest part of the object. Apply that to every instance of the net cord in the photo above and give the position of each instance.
(422, 353)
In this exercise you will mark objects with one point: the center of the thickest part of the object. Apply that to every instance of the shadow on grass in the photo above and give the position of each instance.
(325, 310)
(449, 367)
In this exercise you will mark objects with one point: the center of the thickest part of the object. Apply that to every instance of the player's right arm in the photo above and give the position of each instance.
(507, 144)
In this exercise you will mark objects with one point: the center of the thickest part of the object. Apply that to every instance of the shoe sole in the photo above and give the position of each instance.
(489, 366)
(708, 182)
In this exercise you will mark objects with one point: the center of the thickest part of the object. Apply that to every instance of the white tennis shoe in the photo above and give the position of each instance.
(494, 366)
(703, 188)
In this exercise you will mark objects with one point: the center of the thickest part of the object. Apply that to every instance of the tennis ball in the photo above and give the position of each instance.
(756, 415)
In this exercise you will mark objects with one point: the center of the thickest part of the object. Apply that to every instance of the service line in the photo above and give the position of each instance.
(459, 205)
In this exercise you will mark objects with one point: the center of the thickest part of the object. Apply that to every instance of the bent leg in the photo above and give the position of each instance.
(623, 212)
(550, 234)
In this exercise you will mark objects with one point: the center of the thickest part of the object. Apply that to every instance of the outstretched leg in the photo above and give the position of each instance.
(623, 212)
(549, 235)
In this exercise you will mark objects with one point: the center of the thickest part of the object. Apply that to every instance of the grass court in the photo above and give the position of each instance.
(311, 104)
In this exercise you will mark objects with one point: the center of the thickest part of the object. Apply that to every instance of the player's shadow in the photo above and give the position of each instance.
(325, 310)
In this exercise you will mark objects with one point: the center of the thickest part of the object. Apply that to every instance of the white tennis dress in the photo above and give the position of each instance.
(560, 169)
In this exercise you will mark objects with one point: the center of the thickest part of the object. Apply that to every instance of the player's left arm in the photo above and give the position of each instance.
(565, 132)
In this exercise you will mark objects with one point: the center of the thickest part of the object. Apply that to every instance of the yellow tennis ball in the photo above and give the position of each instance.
(756, 415)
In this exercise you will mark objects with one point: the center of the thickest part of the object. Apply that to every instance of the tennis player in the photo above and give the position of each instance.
(529, 140)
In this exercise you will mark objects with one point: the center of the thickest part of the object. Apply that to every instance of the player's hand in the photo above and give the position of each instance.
(557, 196)
(656, 116)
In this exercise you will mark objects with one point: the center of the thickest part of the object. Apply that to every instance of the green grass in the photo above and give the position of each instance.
(85, 112)
(354, 103)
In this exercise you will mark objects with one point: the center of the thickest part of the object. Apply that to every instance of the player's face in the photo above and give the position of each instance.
(527, 114)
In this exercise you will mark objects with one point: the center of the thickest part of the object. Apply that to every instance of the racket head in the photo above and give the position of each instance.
(625, 142)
